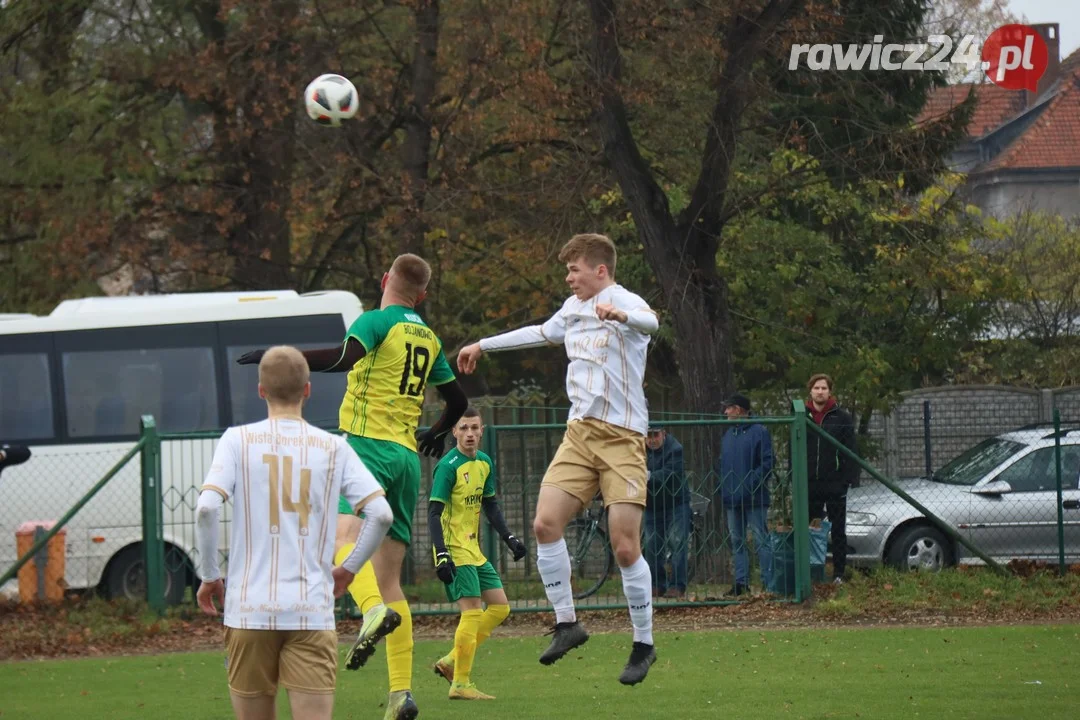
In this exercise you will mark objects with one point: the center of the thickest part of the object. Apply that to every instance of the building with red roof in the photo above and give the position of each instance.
(1022, 149)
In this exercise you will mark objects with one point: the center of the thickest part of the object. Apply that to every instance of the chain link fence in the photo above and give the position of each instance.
(728, 523)
(1009, 497)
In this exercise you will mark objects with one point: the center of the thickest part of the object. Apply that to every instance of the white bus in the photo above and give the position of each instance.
(75, 383)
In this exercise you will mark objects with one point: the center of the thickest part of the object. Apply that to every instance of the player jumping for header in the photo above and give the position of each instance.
(605, 329)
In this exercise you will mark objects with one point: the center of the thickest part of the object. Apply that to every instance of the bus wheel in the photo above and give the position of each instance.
(125, 576)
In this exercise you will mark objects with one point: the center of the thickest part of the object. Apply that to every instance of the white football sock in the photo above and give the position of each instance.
(637, 586)
(553, 562)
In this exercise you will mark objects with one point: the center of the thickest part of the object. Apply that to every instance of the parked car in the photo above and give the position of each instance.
(1001, 495)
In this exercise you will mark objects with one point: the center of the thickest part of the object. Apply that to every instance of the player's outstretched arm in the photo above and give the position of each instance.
(444, 564)
(339, 358)
(495, 517)
(431, 442)
(551, 332)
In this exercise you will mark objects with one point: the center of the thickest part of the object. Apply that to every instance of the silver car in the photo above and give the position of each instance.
(1001, 495)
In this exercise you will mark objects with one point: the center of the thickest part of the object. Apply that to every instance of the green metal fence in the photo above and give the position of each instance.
(521, 453)
(1013, 496)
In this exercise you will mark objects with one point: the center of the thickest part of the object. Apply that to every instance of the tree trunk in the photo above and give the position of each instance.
(260, 243)
(698, 309)
(262, 166)
(417, 146)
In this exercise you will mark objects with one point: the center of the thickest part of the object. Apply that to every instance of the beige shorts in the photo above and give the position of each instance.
(301, 660)
(595, 455)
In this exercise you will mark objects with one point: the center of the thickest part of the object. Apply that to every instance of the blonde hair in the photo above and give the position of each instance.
(411, 274)
(814, 381)
(595, 249)
(283, 374)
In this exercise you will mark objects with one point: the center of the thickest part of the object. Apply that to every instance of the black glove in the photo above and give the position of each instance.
(516, 547)
(444, 567)
(251, 358)
(431, 443)
(13, 455)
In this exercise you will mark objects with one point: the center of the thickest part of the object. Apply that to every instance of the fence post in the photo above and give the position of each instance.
(1060, 500)
(800, 501)
(491, 538)
(153, 539)
(926, 439)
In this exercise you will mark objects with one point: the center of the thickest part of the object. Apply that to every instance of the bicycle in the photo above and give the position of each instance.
(590, 551)
(589, 547)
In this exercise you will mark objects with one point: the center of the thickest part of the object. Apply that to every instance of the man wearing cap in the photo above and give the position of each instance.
(667, 512)
(743, 472)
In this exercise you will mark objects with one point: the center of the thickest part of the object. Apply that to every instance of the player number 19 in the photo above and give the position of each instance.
(281, 498)
(416, 365)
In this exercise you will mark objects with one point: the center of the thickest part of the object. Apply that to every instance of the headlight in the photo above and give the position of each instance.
(861, 518)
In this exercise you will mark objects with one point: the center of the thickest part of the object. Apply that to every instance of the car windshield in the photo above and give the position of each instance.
(973, 465)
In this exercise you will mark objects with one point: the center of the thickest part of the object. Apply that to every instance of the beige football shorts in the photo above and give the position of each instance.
(300, 660)
(598, 456)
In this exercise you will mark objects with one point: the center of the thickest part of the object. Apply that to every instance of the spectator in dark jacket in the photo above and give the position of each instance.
(830, 472)
(667, 512)
(743, 472)
(13, 455)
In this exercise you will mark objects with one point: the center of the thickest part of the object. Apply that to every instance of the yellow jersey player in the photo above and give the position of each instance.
(464, 484)
(391, 356)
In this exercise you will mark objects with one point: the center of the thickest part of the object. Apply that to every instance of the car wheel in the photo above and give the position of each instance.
(920, 547)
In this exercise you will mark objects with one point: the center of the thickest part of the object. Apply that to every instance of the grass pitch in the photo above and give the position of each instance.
(976, 672)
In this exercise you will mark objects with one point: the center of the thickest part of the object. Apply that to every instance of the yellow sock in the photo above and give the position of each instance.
(465, 645)
(491, 619)
(399, 648)
(364, 588)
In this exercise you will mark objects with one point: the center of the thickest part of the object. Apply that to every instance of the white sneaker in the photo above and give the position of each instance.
(838, 581)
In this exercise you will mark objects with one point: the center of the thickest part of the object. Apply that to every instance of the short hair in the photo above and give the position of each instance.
(596, 249)
(819, 376)
(412, 273)
(471, 412)
(283, 373)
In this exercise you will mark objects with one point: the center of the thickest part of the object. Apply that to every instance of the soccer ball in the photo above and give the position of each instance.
(330, 99)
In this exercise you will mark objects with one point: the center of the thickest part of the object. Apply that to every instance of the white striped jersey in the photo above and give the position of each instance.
(606, 375)
(284, 477)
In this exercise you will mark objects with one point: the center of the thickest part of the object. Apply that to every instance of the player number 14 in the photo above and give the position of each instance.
(281, 492)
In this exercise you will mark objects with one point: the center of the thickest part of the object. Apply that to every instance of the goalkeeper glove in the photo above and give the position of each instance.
(444, 567)
(431, 443)
(516, 547)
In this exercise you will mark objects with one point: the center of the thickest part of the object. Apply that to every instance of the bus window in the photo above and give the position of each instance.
(321, 408)
(108, 391)
(26, 405)
(305, 332)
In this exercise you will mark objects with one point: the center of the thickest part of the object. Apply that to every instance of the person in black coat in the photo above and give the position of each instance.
(667, 513)
(830, 472)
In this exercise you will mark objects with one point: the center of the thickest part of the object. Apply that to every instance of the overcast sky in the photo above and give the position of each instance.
(1066, 13)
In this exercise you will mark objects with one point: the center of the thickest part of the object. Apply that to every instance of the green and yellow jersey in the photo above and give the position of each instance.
(461, 483)
(385, 391)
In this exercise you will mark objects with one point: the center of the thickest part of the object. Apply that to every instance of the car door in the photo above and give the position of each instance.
(1021, 523)
(1070, 502)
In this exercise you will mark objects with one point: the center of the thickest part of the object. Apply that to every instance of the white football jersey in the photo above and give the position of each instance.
(606, 375)
(284, 477)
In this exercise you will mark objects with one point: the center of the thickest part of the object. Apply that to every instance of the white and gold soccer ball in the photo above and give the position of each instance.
(330, 99)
